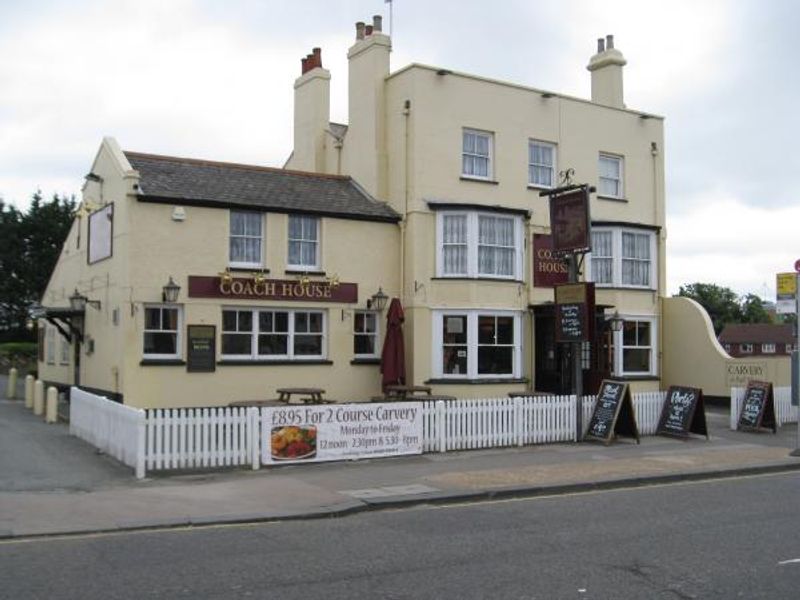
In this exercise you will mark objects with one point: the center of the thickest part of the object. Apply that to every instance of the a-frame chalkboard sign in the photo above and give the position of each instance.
(613, 414)
(683, 413)
(758, 408)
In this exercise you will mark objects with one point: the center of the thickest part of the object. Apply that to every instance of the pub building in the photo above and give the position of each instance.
(195, 283)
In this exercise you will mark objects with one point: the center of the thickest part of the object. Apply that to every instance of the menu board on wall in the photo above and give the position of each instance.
(101, 230)
(201, 348)
(316, 433)
(683, 413)
(613, 413)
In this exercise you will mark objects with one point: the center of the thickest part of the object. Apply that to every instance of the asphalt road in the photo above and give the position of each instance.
(736, 538)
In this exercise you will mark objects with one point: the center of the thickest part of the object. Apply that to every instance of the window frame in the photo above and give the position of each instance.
(553, 168)
(620, 180)
(50, 345)
(746, 348)
(619, 348)
(239, 264)
(178, 332)
(317, 241)
(768, 348)
(489, 135)
(291, 334)
(617, 258)
(472, 319)
(65, 346)
(473, 245)
(376, 335)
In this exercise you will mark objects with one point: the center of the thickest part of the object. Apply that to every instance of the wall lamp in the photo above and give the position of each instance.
(615, 322)
(78, 302)
(169, 293)
(378, 301)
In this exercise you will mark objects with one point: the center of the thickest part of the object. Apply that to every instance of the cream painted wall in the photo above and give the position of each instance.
(694, 357)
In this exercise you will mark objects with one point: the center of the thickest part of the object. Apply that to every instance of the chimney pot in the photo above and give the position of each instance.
(610, 42)
(317, 57)
(360, 30)
(369, 30)
(303, 65)
(601, 45)
(377, 23)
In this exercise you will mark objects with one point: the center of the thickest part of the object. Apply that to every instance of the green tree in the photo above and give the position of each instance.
(30, 243)
(721, 303)
(753, 310)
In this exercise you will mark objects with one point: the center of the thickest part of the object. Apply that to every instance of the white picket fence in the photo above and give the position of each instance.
(114, 428)
(174, 439)
(498, 422)
(784, 411)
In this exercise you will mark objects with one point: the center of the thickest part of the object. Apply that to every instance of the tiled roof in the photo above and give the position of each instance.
(226, 185)
(757, 333)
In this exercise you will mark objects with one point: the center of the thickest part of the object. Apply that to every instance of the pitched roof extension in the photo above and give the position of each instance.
(169, 179)
(757, 333)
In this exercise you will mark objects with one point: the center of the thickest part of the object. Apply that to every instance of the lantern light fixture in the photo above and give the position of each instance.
(78, 302)
(378, 300)
(169, 293)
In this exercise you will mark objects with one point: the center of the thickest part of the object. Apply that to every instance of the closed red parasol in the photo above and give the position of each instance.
(393, 362)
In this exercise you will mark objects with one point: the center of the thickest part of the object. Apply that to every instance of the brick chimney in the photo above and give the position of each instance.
(368, 61)
(606, 68)
(312, 100)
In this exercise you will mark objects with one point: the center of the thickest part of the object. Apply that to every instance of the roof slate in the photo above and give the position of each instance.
(209, 183)
(757, 333)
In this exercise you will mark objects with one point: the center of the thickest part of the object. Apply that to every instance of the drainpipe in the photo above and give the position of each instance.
(406, 160)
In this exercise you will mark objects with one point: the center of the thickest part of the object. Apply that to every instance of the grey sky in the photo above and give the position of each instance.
(214, 80)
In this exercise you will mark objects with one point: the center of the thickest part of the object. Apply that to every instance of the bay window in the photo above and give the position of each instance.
(476, 344)
(162, 331)
(246, 239)
(479, 245)
(623, 257)
(266, 334)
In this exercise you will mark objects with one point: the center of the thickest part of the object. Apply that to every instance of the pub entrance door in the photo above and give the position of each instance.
(553, 362)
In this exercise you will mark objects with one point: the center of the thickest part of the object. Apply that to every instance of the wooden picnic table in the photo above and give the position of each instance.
(308, 395)
(401, 391)
(255, 403)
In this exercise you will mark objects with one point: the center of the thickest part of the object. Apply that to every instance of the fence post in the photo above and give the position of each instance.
(734, 413)
(518, 428)
(140, 444)
(441, 436)
(254, 437)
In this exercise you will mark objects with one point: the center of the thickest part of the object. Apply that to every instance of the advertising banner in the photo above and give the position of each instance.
(786, 289)
(316, 433)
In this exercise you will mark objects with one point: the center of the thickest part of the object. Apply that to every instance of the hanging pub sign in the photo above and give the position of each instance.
(255, 288)
(548, 270)
(569, 220)
(683, 413)
(613, 414)
(201, 348)
(574, 312)
(758, 408)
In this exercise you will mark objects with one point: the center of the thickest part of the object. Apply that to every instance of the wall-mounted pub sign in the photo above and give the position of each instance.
(289, 290)
(574, 312)
(548, 270)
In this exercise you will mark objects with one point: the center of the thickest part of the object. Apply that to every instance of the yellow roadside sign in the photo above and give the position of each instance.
(787, 284)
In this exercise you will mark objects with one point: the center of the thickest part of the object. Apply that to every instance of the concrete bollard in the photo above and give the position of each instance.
(38, 397)
(51, 408)
(11, 388)
(29, 391)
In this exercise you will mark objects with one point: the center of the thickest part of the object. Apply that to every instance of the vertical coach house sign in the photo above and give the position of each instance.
(549, 269)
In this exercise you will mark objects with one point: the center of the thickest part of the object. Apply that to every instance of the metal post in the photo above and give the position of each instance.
(577, 372)
(795, 356)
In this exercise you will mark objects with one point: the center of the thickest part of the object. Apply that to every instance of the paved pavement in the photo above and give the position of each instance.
(51, 483)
